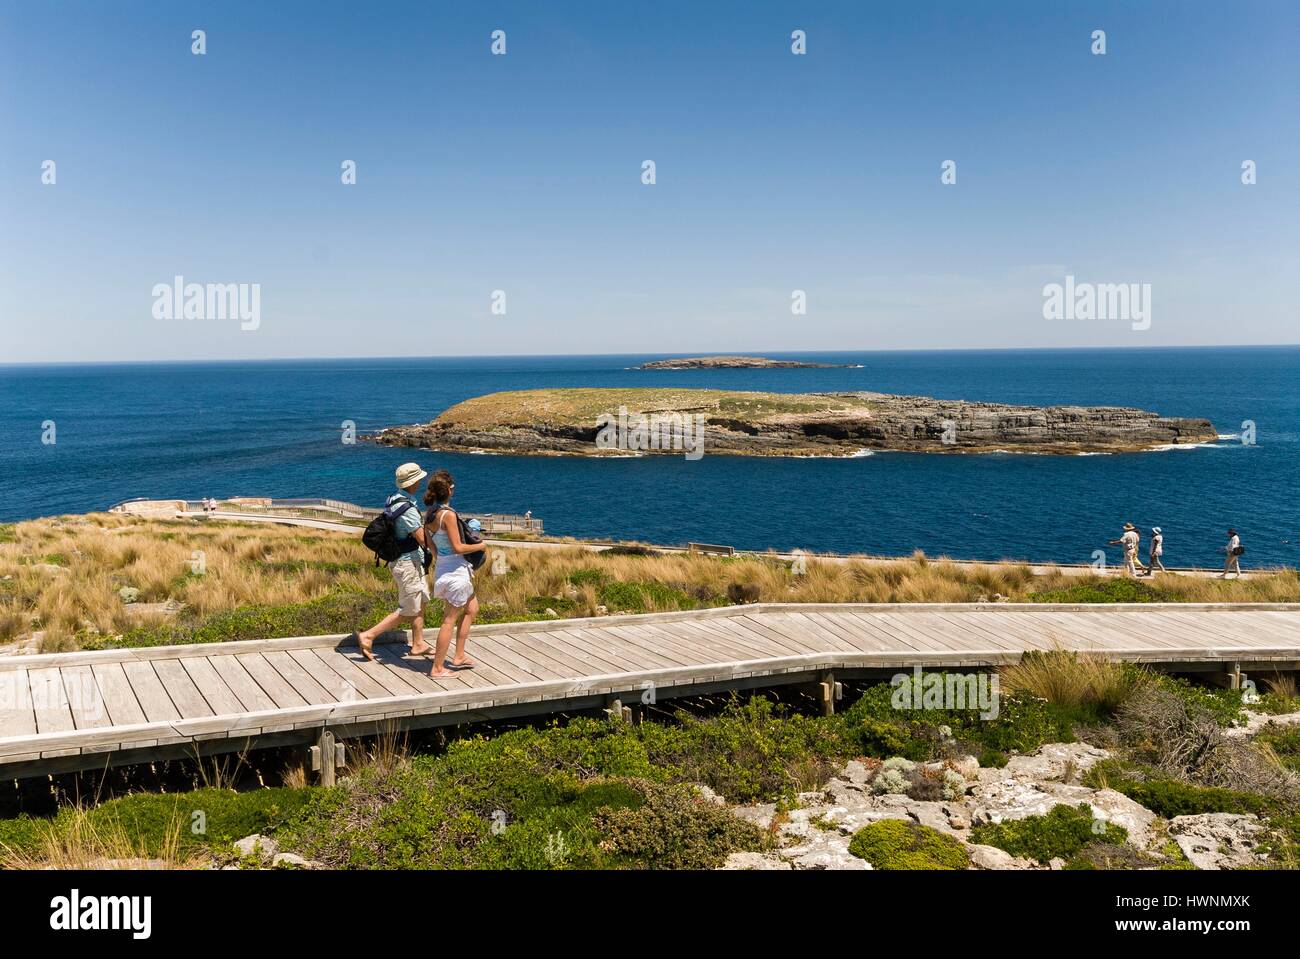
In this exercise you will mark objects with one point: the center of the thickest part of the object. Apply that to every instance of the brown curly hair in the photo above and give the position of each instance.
(439, 491)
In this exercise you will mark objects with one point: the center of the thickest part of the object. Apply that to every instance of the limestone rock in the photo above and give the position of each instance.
(991, 857)
(1054, 762)
(1219, 840)
(755, 861)
(708, 795)
(294, 860)
(760, 815)
(263, 846)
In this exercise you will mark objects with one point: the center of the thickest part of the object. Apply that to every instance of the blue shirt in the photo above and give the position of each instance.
(406, 524)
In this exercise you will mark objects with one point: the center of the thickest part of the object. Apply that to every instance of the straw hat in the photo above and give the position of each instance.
(1126, 525)
(408, 474)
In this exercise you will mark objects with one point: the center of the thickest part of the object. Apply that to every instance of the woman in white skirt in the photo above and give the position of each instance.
(452, 580)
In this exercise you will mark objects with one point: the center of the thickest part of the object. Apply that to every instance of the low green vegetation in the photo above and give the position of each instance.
(336, 612)
(1022, 723)
(204, 818)
(1170, 797)
(1115, 590)
(1061, 833)
(899, 844)
(585, 795)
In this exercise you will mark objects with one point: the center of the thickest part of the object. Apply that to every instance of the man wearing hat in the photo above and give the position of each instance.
(1157, 550)
(1129, 541)
(407, 569)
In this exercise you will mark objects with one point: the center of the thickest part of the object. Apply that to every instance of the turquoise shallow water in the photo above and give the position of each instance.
(272, 428)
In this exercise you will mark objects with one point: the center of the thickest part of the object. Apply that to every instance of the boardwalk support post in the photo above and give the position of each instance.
(326, 756)
(615, 709)
(828, 692)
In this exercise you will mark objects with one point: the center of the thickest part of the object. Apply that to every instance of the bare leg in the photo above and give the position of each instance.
(449, 619)
(418, 646)
(462, 635)
(366, 639)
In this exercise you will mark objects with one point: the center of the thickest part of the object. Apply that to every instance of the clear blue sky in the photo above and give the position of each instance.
(522, 173)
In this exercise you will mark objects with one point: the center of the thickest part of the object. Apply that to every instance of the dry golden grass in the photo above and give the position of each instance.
(77, 842)
(65, 574)
(62, 577)
(1282, 685)
(1072, 679)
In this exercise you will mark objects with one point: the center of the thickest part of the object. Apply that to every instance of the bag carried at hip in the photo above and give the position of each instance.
(467, 535)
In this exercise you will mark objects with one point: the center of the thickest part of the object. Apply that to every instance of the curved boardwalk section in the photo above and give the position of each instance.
(84, 710)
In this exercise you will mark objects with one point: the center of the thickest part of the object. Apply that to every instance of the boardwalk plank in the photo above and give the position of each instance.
(85, 698)
(17, 712)
(91, 703)
(150, 692)
(50, 700)
(245, 687)
(187, 697)
(216, 692)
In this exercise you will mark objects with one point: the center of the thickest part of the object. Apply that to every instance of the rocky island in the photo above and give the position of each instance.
(582, 421)
(738, 363)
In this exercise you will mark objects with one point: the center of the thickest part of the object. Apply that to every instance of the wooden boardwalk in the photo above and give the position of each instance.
(86, 710)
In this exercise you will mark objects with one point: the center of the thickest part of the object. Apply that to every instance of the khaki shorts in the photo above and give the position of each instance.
(412, 587)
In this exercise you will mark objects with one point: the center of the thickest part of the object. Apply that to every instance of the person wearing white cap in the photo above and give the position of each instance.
(408, 569)
(1129, 541)
(1157, 550)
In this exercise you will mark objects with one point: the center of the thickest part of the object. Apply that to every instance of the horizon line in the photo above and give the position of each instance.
(665, 354)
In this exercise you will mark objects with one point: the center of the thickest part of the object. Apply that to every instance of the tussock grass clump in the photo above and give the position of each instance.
(1075, 680)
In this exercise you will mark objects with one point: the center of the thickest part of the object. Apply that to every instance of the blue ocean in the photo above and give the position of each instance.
(273, 428)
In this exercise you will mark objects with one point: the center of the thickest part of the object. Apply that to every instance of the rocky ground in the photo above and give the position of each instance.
(816, 834)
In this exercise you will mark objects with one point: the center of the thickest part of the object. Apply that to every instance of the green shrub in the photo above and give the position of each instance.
(1285, 743)
(1110, 590)
(1059, 834)
(204, 817)
(752, 751)
(1170, 797)
(589, 575)
(899, 844)
(1022, 724)
(538, 605)
(673, 828)
(585, 795)
(1224, 705)
(338, 612)
(639, 597)
(23, 834)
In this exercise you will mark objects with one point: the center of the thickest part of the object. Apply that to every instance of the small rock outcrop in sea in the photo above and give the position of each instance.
(580, 422)
(737, 363)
